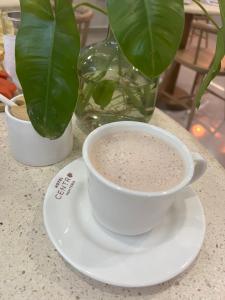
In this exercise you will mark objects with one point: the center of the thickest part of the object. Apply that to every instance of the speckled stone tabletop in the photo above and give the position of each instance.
(30, 267)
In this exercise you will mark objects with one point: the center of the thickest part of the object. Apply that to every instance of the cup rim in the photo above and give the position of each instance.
(102, 179)
(8, 113)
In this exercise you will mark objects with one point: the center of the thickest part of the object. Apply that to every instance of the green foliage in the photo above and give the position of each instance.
(47, 49)
(215, 67)
(148, 31)
(219, 54)
(103, 92)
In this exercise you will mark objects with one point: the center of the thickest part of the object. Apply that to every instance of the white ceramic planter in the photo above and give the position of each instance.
(29, 148)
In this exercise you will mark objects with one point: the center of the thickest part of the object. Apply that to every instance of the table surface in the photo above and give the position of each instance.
(30, 267)
(195, 9)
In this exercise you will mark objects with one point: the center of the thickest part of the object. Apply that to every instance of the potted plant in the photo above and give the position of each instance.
(46, 137)
(30, 148)
(111, 88)
(147, 34)
(47, 49)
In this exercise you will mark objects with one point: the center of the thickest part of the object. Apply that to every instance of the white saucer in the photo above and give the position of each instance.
(144, 260)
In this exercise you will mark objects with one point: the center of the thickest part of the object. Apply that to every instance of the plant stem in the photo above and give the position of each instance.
(207, 14)
(99, 9)
(119, 63)
(84, 97)
(132, 98)
(110, 36)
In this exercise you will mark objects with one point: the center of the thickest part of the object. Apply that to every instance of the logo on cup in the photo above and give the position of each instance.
(64, 186)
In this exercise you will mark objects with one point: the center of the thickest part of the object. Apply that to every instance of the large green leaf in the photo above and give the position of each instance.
(47, 49)
(148, 31)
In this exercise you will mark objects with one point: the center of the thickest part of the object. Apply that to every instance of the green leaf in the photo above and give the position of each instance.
(215, 66)
(219, 54)
(148, 31)
(103, 92)
(47, 49)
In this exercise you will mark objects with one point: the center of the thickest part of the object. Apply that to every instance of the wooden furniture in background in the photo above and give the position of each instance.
(168, 85)
(198, 58)
(195, 32)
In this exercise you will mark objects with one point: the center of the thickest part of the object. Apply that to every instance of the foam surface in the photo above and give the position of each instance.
(137, 161)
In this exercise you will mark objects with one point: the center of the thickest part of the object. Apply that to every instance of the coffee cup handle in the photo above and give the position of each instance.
(200, 166)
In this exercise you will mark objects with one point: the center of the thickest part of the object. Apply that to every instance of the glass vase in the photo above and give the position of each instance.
(111, 89)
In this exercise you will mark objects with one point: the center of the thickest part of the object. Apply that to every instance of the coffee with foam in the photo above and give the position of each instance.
(137, 161)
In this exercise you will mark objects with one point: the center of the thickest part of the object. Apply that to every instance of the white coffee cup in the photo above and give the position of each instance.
(29, 148)
(131, 212)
